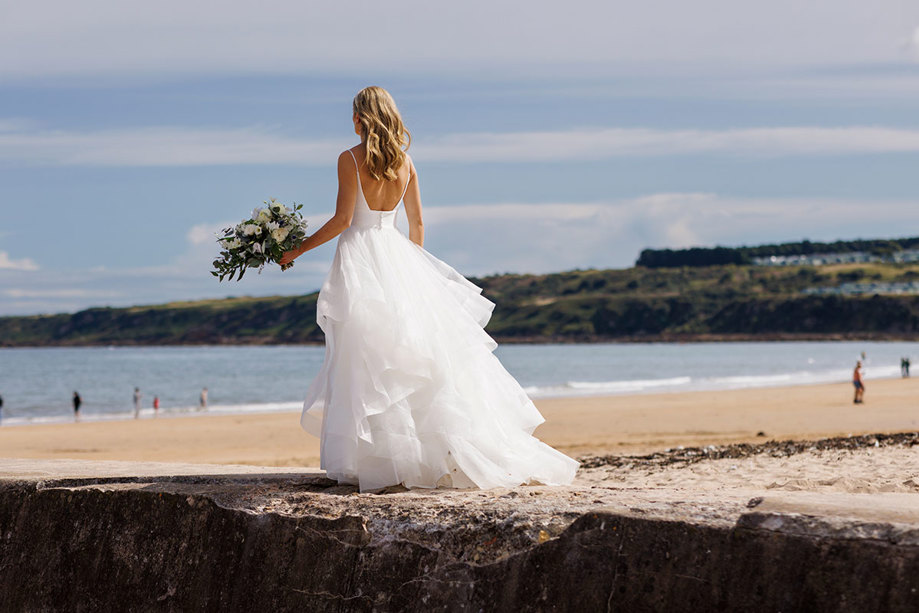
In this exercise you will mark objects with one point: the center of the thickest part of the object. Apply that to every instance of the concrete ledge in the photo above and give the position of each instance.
(262, 539)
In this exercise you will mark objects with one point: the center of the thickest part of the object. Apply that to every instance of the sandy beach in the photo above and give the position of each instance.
(578, 426)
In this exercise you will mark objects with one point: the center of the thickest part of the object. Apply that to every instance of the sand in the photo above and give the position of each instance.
(578, 426)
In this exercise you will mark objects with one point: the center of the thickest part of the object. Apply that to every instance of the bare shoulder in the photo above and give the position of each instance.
(346, 161)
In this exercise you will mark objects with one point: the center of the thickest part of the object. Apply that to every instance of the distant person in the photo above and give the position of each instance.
(156, 406)
(202, 400)
(77, 401)
(859, 384)
(904, 367)
(1, 409)
(137, 398)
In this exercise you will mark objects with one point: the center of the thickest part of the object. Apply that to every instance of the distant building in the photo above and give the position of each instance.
(823, 259)
(909, 255)
(865, 289)
(818, 259)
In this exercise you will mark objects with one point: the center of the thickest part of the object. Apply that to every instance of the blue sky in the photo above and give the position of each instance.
(548, 136)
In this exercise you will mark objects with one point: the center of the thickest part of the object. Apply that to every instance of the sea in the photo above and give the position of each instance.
(37, 384)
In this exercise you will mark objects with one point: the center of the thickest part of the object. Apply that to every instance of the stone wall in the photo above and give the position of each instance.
(209, 544)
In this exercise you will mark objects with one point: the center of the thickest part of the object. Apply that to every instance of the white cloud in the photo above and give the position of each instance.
(59, 293)
(175, 146)
(611, 142)
(58, 37)
(161, 146)
(7, 263)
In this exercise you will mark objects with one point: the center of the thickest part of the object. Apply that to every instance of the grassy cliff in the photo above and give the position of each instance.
(690, 303)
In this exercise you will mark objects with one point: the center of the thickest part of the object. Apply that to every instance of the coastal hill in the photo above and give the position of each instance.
(863, 300)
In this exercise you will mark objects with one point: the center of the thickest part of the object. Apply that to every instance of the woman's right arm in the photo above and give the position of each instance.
(413, 208)
(344, 211)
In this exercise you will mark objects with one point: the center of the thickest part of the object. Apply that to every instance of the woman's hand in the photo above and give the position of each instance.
(287, 260)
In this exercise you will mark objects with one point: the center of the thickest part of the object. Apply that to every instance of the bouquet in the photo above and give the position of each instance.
(261, 239)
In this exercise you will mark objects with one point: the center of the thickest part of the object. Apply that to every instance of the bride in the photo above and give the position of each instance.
(410, 392)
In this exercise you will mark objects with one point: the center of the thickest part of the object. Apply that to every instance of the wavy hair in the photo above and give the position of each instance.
(382, 131)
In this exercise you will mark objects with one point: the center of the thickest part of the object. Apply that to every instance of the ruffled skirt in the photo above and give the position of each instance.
(410, 392)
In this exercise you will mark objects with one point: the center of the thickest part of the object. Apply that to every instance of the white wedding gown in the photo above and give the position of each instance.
(410, 392)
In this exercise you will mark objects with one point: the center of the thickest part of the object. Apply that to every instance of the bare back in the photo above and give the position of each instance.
(380, 194)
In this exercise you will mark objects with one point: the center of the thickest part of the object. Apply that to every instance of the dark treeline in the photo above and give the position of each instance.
(716, 256)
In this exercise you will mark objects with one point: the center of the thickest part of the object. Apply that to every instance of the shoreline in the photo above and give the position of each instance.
(569, 394)
(573, 391)
(579, 426)
(772, 337)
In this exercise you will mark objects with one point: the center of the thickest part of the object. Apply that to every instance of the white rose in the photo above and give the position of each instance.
(263, 216)
(272, 226)
(279, 208)
(280, 234)
(250, 229)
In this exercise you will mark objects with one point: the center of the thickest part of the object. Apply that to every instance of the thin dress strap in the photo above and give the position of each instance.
(357, 170)
(409, 180)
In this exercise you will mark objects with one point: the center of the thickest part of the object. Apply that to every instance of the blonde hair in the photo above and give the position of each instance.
(383, 132)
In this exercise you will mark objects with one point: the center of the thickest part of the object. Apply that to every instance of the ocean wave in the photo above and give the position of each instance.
(599, 388)
(686, 383)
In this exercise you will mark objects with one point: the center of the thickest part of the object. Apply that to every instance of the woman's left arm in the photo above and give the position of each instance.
(344, 211)
(413, 207)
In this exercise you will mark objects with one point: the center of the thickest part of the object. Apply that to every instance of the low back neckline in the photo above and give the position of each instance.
(360, 187)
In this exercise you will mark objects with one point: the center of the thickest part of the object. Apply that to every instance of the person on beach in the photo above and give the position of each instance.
(77, 401)
(1, 409)
(859, 384)
(137, 399)
(904, 367)
(202, 400)
(410, 392)
(156, 406)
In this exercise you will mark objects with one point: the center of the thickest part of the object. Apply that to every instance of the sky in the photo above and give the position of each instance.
(548, 136)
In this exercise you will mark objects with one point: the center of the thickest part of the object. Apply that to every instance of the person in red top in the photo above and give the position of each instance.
(858, 383)
(156, 406)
